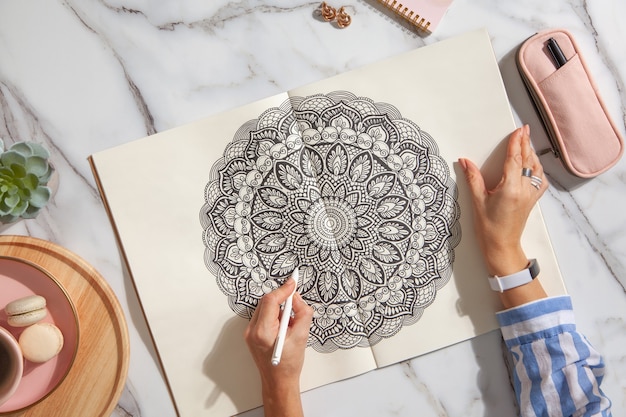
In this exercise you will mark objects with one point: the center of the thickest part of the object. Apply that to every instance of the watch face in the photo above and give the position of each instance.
(534, 268)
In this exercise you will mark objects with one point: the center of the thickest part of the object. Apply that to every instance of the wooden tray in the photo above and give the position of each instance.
(95, 382)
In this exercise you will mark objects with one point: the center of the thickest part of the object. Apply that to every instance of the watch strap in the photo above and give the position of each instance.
(522, 277)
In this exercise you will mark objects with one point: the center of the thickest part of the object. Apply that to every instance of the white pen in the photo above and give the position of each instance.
(284, 321)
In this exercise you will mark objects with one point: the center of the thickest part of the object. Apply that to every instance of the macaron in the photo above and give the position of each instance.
(41, 342)
(26, 311)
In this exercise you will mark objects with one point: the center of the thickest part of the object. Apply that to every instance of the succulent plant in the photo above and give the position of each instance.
(24, 175)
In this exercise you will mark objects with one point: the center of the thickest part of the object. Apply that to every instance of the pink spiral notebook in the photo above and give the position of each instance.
(424, 14)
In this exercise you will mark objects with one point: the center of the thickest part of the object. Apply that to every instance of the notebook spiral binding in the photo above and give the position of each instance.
(410, 15)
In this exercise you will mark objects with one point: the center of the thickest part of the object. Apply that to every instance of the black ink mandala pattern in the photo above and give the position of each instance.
(351, 192)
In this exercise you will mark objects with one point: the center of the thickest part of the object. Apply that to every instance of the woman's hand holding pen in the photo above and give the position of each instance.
(280, 384)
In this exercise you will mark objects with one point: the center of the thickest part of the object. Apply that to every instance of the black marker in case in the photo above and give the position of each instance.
(556, 52)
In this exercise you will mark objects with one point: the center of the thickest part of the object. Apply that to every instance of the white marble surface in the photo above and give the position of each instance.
(80, 76)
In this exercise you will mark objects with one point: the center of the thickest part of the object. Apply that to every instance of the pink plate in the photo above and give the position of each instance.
(19, 278)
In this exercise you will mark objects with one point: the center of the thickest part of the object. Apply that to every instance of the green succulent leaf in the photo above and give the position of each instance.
(23, 148)
(25, 194)
(37, 165)
(6, 173)
(40, 196)
(30, 181)
(30, 149)
(31, 212)
(19, 171)
(9, 158)
(12, 200)
(19, 209)
(43, 179)
(38, 150)
(4, 209)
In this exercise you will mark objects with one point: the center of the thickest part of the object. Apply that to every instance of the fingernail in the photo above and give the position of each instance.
(527, 129)
(463, 164)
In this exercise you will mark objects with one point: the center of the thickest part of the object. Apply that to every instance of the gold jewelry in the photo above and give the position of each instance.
(328, 12)
(343, 18)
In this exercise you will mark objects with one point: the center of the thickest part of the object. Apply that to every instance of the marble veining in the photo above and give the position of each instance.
(127, 405)
(422, 388)
(81, 76)
(586, 229)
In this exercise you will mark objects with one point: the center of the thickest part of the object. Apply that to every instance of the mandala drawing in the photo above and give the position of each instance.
(349, 191)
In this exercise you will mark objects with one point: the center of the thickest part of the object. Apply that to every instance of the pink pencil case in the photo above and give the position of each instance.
(581, 131)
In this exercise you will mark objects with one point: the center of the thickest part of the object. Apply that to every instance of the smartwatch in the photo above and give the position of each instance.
(522, 277)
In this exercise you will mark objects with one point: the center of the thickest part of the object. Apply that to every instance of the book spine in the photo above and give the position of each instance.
(411, 15)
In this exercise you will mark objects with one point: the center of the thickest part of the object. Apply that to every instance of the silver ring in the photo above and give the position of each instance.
(535, 179)
(536, 185)
(527, 172)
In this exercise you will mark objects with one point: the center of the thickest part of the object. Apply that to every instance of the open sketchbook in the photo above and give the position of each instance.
(354, 178)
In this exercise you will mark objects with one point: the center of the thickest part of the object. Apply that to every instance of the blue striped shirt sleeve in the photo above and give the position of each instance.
(556, 370)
